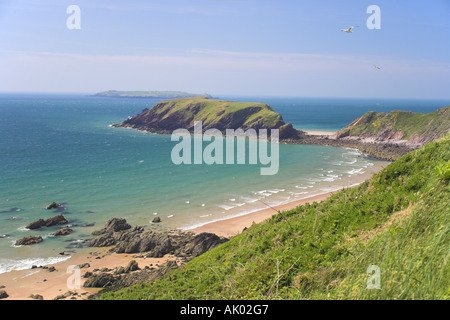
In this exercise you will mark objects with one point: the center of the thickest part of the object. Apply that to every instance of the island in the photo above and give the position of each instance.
(169, 115)
(149, 94)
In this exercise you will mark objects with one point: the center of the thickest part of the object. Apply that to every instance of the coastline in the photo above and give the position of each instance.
(20, 284)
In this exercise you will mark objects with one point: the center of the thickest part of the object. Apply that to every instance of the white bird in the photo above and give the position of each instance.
(376, 67)
(349, 30)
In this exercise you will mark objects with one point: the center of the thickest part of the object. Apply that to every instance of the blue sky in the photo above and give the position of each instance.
(240, 47)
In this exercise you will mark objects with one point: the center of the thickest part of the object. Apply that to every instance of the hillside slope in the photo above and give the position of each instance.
(398, 221)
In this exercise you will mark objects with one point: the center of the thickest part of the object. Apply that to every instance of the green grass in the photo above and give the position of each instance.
(398, 220)
(213, 112)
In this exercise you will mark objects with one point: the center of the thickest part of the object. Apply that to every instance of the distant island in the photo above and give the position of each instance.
(149, 94)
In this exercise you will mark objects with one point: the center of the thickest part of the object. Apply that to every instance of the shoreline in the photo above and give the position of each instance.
(231, 227)
(20, 284)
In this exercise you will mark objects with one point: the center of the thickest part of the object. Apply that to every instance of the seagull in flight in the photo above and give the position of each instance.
(376, 67)
(349, 30)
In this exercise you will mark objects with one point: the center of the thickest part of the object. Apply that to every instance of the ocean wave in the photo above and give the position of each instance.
(225, 207)
(7, 265)
(355, 171)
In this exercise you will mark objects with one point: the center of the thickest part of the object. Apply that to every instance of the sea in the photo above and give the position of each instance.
(62, 147)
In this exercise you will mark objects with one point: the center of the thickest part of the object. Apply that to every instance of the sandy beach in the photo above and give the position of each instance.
(21, 284)
(320, 133)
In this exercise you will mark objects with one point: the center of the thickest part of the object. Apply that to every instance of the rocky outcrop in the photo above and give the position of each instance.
(53, 205)
(63, 232)
(57, 220)
(201, 243)
(156, 220)
(100, 280)
(113, 225)
(29, 240)
(105, 240)
(122, 278)
(157, 244)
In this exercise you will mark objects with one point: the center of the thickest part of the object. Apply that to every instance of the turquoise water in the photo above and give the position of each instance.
(61, 148)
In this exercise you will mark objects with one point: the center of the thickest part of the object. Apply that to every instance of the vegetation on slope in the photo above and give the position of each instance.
(400, 125)
(398, 221)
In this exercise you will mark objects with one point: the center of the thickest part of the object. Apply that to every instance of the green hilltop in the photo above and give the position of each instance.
(400, 125)
(399, 221)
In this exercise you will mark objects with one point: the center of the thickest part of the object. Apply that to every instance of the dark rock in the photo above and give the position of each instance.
(53, 205)
(156, 243)
(105, 240)
(59, 219)
(156, 220)
(131, 266)
(65, 295)
(84, 265)
(29, 240)
(202, 243)
(119, 270)
(113, 225)
(51, 269)
(36, 297)
(3, 294)
(100, 280)
(36, 224)
(145, 276)
(63, 232)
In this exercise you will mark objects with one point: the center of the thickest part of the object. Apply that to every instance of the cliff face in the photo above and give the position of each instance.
(170, 115)
(398, 127)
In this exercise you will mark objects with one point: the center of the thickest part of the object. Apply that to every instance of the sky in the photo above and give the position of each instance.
(228, 47)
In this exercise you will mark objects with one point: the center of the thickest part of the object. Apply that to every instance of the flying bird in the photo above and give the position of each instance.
(349, 30)
(376, 67)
